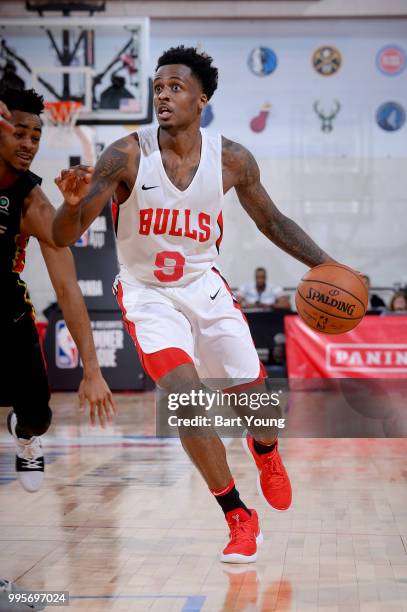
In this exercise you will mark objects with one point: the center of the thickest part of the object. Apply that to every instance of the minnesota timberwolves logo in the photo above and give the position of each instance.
(262, 61)
(326, 60)
(4, 204)
(390, 116)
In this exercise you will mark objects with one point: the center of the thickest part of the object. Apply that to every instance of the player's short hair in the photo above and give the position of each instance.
(261, 269)
(199, 63)
(26, 100)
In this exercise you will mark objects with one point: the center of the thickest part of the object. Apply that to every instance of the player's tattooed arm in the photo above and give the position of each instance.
(240, 170)
(86, 190)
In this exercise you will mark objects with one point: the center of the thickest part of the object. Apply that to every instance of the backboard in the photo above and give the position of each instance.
(102, 62)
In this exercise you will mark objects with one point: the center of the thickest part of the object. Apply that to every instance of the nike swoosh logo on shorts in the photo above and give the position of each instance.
(144, 188)
(18, 318)
(214, 296)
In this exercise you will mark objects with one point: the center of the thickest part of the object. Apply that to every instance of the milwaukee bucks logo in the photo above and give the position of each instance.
(327, 117)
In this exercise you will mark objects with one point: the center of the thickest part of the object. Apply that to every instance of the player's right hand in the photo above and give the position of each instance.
(4, 115)
(74, 184)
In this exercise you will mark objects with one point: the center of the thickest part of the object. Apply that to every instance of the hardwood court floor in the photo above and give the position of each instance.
(125, 523)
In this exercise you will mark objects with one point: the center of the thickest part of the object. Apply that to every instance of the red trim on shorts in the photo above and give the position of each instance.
(225, 490)
(159, 363)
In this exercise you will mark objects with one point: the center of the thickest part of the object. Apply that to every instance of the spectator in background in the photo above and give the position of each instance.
(262, 295)
(398, 303)
(375, 301)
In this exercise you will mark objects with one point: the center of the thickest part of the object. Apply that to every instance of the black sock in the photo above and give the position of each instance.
(263, 449)
(231, 501)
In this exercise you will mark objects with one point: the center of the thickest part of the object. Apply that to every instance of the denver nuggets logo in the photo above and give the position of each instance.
(326, 60)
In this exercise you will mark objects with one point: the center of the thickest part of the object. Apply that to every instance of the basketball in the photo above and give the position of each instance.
(331, 298)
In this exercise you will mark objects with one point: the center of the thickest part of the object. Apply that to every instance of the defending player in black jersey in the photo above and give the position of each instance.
(25, 211)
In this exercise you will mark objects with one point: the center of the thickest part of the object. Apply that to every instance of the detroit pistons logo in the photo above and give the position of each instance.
(174, 222)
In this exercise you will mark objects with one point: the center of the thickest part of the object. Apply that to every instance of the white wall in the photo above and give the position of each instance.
(346, 188)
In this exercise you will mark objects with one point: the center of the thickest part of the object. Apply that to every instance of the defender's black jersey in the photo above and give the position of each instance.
(14, 297)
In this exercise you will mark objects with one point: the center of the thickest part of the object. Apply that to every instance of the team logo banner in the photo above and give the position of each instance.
(377, 348)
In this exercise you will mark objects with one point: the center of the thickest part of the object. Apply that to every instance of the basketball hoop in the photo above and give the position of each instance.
(61, 131)
(63, 113)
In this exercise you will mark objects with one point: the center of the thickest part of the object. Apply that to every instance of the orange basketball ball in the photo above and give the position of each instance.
(331, 298)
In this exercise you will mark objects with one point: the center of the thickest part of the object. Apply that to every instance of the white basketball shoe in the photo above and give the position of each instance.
(29, 458)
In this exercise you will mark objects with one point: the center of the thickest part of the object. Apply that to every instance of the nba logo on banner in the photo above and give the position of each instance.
(66, 352)
(391, 60)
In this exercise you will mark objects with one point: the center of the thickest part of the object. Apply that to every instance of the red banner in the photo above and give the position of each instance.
(377, 348)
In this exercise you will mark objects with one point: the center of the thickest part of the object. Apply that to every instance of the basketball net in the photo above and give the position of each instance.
(62, 131)
(60, 119)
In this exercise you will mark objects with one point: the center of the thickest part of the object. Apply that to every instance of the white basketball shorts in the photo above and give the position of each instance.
(200, 323)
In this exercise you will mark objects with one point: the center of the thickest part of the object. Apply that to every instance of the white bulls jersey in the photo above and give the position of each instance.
(165, 236)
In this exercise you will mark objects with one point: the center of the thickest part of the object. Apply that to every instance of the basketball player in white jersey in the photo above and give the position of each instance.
(168, 186)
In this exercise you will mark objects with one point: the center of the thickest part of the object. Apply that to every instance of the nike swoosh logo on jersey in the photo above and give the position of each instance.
(144, 188)
(18, 318)
(214, 296)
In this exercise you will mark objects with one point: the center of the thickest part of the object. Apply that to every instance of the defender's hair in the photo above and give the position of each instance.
(199, 63)
(26, 100)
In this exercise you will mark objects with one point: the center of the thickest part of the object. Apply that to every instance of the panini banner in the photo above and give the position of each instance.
(377, 348)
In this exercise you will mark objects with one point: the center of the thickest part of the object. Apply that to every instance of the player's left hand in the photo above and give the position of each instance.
(94, 390)
(74, 184)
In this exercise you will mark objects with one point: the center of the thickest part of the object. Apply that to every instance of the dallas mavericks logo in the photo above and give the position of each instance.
(262, 61)
(4, 204)
(327, 117)
(391, 60)
(390, 116)
(66, 352)
(326, 60)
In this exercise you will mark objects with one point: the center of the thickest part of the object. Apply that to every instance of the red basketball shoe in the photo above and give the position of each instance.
(244, 536)
(273, 481)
